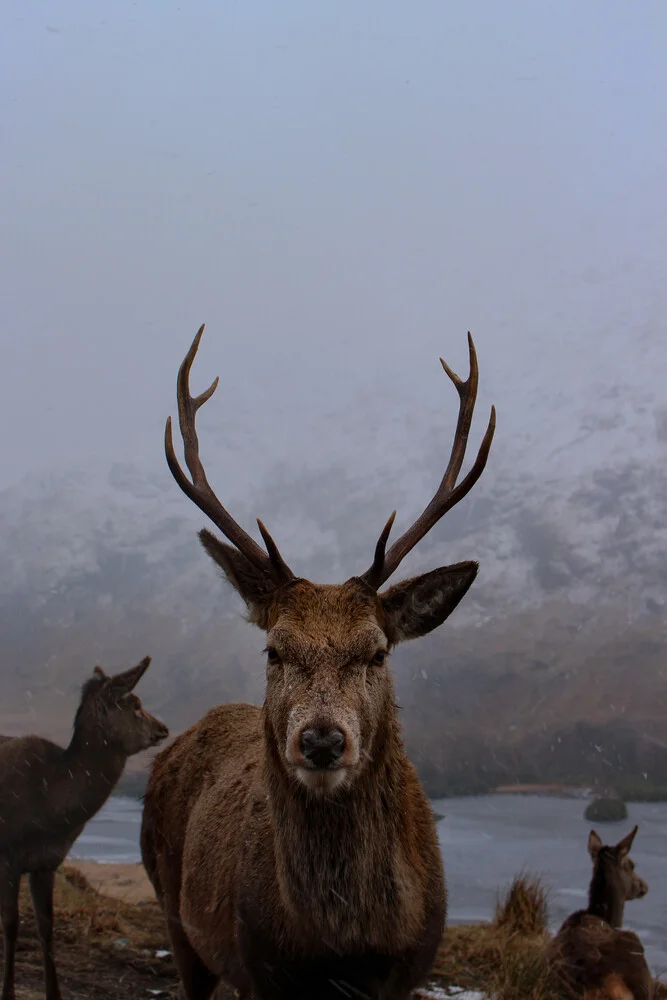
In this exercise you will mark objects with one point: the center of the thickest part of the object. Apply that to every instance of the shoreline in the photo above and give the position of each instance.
(632, 793)
(553, 789)
(119, 880)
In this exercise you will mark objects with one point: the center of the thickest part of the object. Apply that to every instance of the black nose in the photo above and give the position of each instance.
(322, 747)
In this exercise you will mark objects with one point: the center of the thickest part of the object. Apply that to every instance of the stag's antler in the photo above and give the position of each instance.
(448, 493)
(199, 489)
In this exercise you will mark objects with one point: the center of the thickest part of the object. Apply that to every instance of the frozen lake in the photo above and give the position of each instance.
(485, 841)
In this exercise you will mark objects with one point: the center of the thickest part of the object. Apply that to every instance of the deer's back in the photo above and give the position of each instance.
(598, 962)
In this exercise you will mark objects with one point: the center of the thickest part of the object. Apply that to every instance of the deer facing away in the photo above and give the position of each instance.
(291, 846)
(48, 794)
(593, 958)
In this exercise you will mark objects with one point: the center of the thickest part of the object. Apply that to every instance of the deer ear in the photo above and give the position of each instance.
(123, 683)
(417, 606)
(255, 587)
(623, 847)
(594, 845)
(94, 684)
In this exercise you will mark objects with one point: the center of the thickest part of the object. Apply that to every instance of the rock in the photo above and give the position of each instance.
(609, 810)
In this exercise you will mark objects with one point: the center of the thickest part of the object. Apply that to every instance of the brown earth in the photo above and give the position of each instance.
(106, 948)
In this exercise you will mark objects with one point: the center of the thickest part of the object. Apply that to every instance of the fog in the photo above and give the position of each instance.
(340, 191)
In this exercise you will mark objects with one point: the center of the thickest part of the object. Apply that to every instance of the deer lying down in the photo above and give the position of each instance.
(48, 794)
(292, 846)
(593, 958)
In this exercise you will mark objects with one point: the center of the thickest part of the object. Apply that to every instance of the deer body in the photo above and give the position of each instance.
(292, 847)
(593, 957)
(48, 793)
(273, 893)
(67, 787)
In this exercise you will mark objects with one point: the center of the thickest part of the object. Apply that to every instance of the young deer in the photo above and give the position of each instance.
(593, 958)
(48, 794)
(292, 846)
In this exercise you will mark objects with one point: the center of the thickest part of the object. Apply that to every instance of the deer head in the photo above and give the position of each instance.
(616, 867)
(329, 705)
(109, 710)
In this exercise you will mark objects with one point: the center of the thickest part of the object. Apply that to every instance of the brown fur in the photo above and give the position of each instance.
(278, 886)
(593, 957)
(48, 794)
(613, 988)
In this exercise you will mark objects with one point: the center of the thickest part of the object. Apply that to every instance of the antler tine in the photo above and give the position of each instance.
(274, 553)
(373, 576)
(187, 408)
(467, 395)
(448, 493)
(199, 490)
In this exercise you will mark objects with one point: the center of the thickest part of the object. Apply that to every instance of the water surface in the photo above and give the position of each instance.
(485, 840)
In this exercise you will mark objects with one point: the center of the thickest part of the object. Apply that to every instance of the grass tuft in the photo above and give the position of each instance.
(523, 907)
(504, 959)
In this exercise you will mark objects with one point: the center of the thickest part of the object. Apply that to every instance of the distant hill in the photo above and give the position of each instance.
(554, 668)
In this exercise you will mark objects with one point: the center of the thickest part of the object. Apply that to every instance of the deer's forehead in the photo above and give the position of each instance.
(308, 606)
(342, 619)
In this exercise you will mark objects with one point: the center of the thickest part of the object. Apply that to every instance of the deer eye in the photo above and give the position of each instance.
(379, 658)
(272, 656)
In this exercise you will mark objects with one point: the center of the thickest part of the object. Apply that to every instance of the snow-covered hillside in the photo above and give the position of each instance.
(100, 559)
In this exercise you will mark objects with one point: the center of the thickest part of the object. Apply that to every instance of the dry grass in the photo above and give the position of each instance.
(87, 915)
(505, 959)
(505, 966)
(105, 948)
(523, 907)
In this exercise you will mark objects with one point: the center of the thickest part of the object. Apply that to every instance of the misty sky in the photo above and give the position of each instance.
(339, 190)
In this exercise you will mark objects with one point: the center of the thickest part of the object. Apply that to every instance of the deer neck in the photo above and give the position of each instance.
(605, 900)
(93, 768)
(337, 856)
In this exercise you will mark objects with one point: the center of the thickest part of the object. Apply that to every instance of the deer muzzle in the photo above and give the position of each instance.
(159, 731)
(322, 748)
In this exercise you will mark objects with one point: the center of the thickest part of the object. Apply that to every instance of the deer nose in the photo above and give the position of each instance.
(161, 731)
(322, 747)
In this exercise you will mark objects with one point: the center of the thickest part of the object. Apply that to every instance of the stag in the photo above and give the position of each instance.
(48, 793)
(592, 957)
(291, 846)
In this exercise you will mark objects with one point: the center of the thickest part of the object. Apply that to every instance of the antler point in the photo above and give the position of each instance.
(448, 493)
(450, 373)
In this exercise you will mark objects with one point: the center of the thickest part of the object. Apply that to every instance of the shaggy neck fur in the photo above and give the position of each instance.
(339, 860)
(605, 900)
